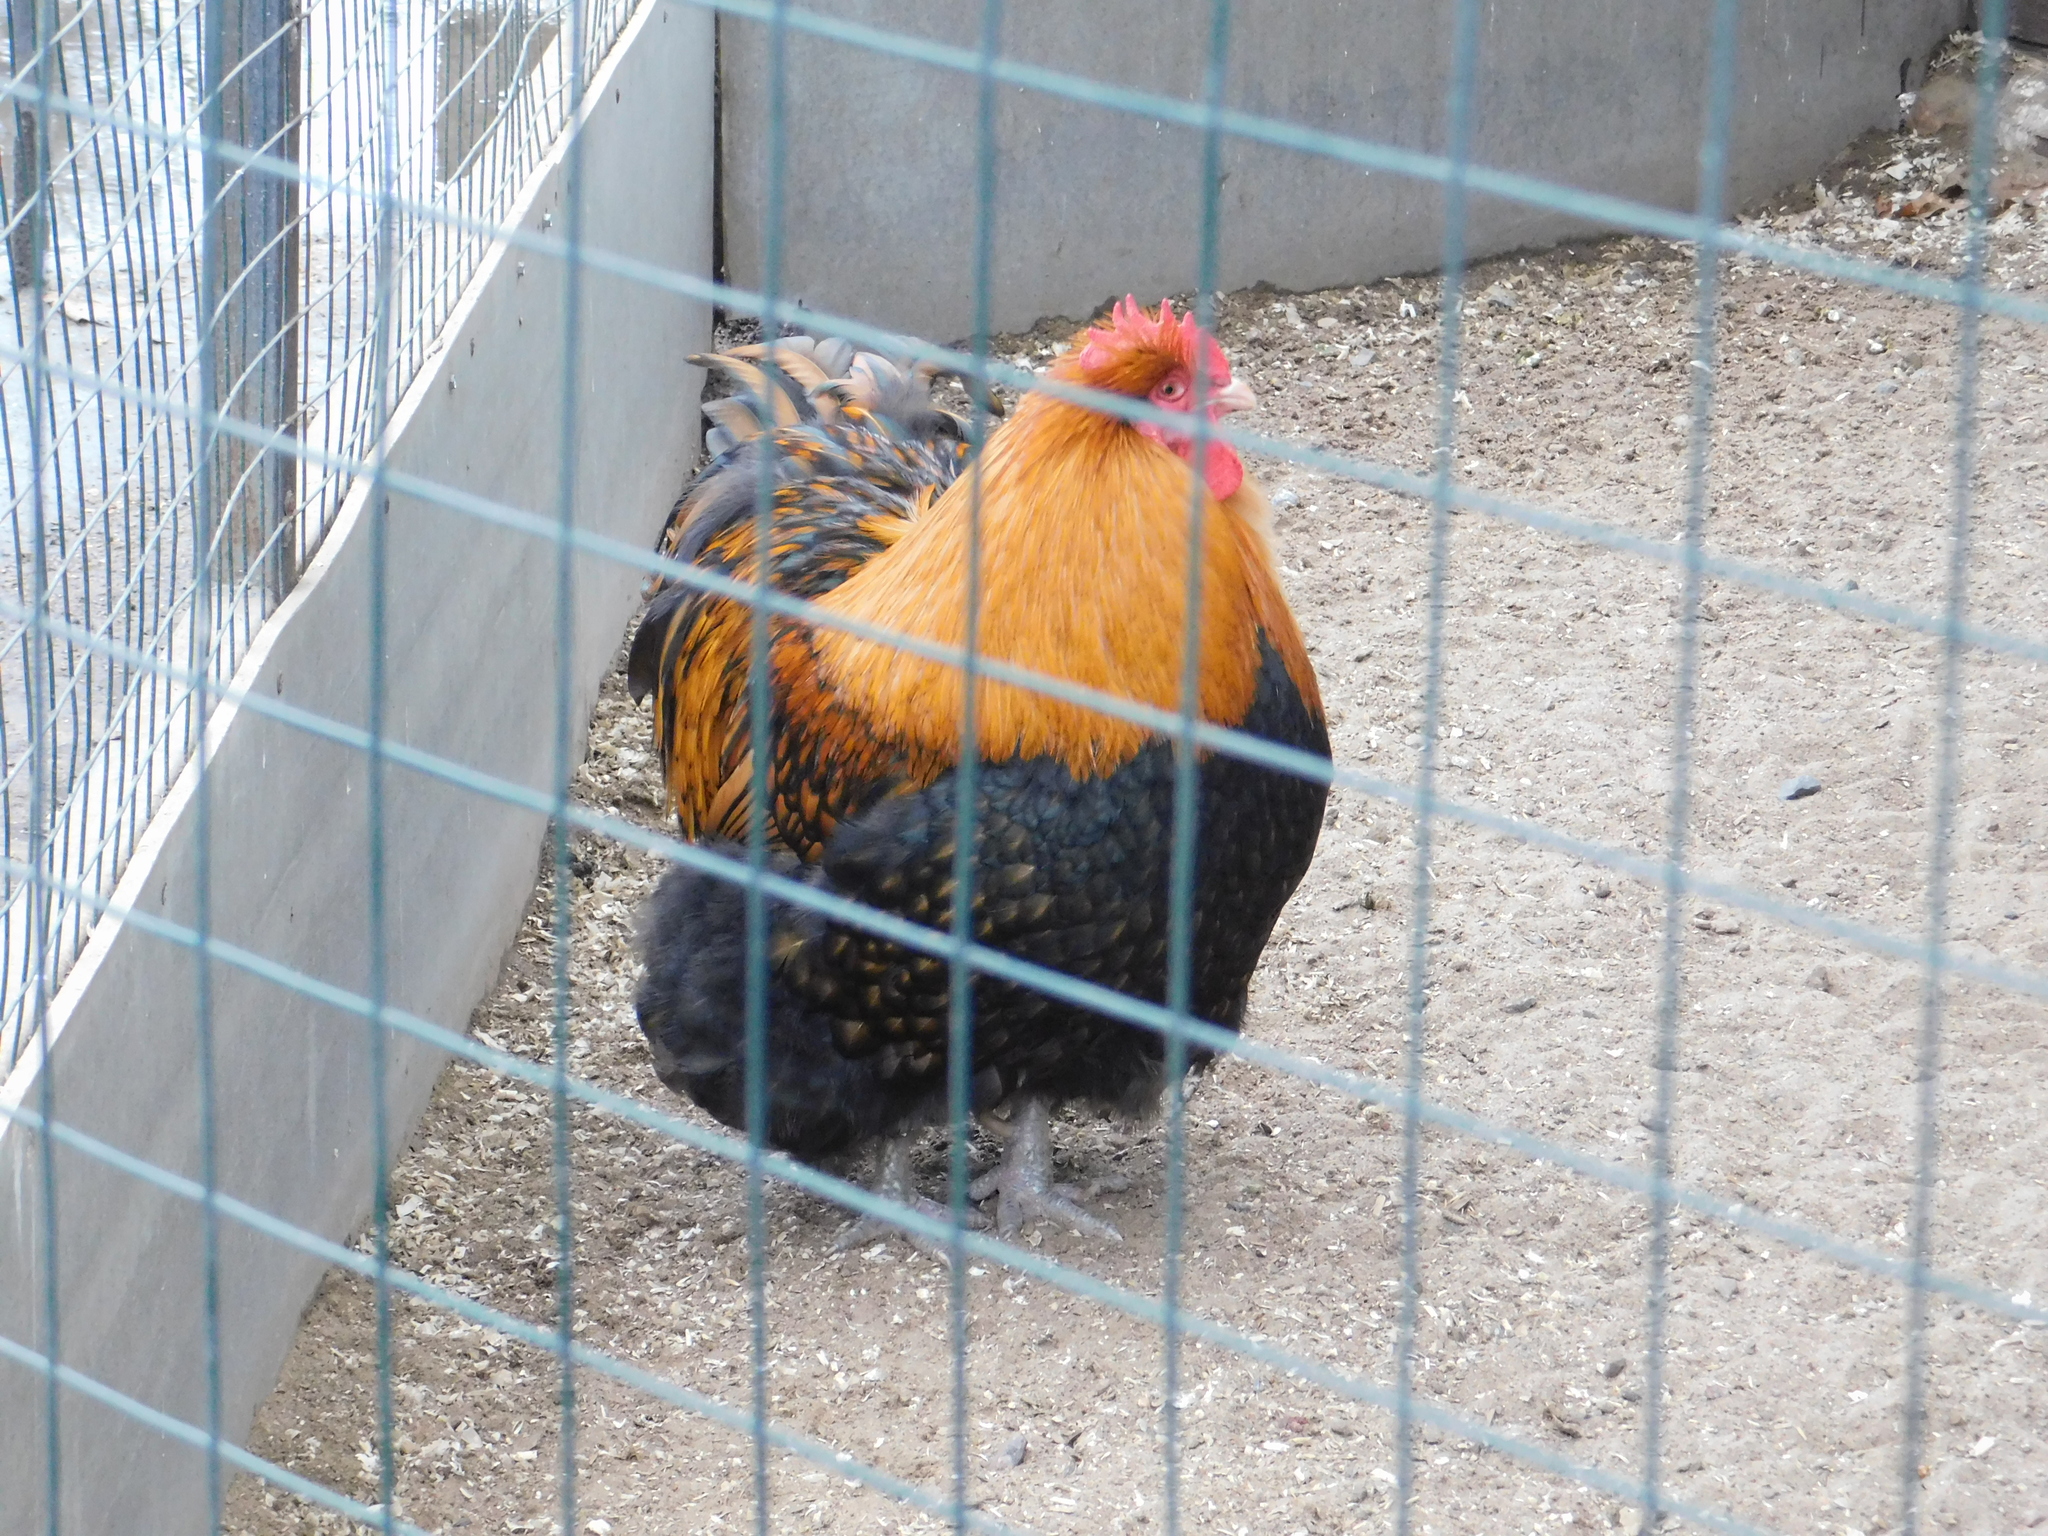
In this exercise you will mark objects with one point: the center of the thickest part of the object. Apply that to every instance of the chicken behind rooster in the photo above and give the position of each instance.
(1084, 547)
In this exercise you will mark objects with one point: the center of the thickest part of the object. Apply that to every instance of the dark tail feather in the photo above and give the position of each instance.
(795, 396)
(693, 1010)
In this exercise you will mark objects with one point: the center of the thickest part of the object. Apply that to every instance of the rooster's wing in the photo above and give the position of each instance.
(847, 465)
(1070, 874)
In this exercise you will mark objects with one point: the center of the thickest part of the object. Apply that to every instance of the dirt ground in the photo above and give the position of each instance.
(1831, 459)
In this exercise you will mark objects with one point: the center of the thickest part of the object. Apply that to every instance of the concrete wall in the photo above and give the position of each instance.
(1601, 94)
(472, 671)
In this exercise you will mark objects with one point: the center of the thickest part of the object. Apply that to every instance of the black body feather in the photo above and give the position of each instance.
(1070, 874)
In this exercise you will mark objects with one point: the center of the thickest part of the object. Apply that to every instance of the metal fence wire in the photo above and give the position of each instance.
(122, 234)
(235, 228)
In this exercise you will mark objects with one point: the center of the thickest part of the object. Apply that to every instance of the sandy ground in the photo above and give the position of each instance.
(1834, 417)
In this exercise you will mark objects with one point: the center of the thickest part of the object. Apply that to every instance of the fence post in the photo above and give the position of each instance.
(252, 271)
(21, 243)
(485, 52)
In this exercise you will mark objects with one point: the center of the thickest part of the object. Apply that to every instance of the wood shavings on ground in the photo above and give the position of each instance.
(1832, 444)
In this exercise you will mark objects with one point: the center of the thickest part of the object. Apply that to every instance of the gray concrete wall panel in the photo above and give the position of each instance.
(471, 663)
(879, 217)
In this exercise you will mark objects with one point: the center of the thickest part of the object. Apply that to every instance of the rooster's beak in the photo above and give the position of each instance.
(1234, 396)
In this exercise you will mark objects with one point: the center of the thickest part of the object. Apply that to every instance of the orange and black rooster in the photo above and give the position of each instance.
(1085, 533)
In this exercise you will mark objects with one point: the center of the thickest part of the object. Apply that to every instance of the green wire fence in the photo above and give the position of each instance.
(276, 209)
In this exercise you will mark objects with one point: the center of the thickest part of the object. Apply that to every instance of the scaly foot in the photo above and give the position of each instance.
(894, 1181)
(1023, 1179)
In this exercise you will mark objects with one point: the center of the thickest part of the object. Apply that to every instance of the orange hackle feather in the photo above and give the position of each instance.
(1084, 531)
(701, 716)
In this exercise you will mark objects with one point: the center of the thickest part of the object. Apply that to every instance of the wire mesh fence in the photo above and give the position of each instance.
(219, 292)
(122, 236)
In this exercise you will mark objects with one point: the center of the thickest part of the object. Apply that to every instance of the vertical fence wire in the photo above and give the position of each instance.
(563, 766)
(1182, 864)
(759, 725)
(384, 339)
(960, 980)
(1717, 120)
(207, 488)
(28, 251)
(1460, 107)
(79, 203)
(1991, 61)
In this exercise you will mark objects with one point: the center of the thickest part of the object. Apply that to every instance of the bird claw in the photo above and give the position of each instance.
(1060, 1203)
(894, 1181)
(871, 1229)
(1023, 1181)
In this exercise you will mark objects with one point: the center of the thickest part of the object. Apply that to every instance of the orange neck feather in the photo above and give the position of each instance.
(1084, 538)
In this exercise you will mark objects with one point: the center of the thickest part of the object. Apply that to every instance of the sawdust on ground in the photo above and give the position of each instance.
(1832, 454)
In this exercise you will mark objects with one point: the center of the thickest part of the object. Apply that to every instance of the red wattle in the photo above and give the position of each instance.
(1224, 471)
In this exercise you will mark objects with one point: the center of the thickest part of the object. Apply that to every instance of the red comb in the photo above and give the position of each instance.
(1130, 326)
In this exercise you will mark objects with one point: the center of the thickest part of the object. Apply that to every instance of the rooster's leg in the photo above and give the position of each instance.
(1024, 1180)
(894, 1181)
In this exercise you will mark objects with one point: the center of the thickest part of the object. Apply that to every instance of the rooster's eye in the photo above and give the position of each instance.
(1172, 389)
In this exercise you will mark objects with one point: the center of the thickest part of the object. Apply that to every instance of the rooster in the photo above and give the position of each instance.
(1084, 545)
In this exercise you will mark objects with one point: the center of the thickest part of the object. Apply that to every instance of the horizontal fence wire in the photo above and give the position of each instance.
(1368, 472)
(178, 1430)
(1052, 983)
(420, 164)
(1209, 737)
(1600, 209)
(853, 1197)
